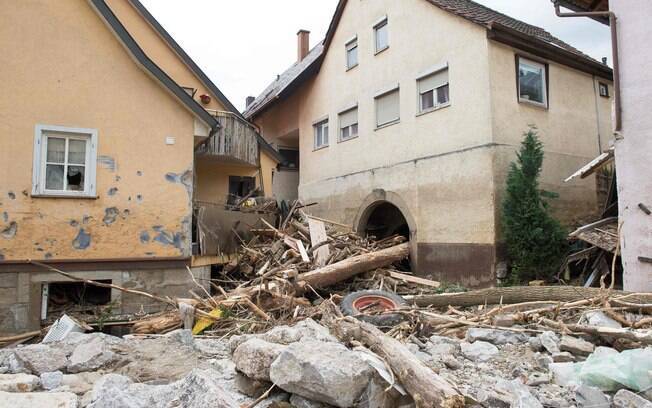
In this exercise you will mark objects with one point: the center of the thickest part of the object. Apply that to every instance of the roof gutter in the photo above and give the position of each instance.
(614, 49)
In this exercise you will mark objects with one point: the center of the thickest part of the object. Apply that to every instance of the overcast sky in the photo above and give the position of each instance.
(242, 45)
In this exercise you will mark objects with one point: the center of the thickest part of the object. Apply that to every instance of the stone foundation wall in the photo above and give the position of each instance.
(20, 292)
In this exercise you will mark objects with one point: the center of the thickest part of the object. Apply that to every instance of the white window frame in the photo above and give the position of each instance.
(348, 47)
(383, 22)
(435, 105)
(544, 69)
(40, 157)
(320, 124)
(341, 129)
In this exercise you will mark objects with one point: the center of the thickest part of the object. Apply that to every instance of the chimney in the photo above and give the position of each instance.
(303, 44)
(249, 101)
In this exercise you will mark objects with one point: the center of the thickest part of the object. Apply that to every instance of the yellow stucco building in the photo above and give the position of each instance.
(112, 139)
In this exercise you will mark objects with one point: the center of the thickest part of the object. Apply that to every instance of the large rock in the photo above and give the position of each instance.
(79, 383)
(91, 356)
(439, 346)
(478, 351)
(495, 336)
(591, 397)
(627, 399)
(198, 389)
(41, 358)
(576, 346)
(18, 382)
(322, 371)
(517, 394)
(50, 381)
(298, 401)
(255, 356)
(306, 329)
(39, 400)
(549, 341)
(600, 319)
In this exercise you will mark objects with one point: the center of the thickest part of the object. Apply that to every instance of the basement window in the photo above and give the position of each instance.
(532, 82)
(64, 161)
(73, 298)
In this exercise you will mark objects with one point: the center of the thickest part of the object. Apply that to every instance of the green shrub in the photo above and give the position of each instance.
(536, 242)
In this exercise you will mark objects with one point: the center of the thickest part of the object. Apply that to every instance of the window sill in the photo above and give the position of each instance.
(347, 139)
(54, 195)
(388, 124)
(533, 104)
(433, 109)
(381, 50)
(350, 68)
(319, 148)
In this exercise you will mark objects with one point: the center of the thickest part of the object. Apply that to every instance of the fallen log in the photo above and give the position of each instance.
(426, 387)
(519, 294)
(348, 268)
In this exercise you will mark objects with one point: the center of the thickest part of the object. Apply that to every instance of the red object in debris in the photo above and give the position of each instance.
(205, 99)
(375, 302)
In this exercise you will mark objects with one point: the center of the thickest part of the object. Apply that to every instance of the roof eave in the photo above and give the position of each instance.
(516, 39)
(181, 53)
(149, 66)
(572, 5)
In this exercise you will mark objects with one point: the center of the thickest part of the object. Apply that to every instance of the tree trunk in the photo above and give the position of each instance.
(518, 294)
(347, 268)
(427, 388)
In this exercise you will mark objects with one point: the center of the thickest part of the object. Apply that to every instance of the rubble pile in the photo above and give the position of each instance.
(309, 315)
(310, 365)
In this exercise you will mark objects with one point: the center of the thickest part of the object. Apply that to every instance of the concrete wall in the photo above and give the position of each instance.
(634, 147)
(66, 68)
(20, 292)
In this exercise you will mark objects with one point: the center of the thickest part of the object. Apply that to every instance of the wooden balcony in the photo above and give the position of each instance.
(235, 142)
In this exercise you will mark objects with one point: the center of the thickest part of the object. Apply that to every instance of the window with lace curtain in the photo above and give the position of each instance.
(64, 161)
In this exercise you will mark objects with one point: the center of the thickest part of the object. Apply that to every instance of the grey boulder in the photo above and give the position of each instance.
(91, 356)
(322, 371)
(41, 358)
(254, 357)
(627, 399)
(495, 336)
(591, 397)
(18, 382)
(478, 350)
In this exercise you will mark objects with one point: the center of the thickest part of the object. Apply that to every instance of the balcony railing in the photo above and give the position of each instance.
(235, 141)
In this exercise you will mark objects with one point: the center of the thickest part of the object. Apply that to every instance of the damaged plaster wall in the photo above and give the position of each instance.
(133, 116)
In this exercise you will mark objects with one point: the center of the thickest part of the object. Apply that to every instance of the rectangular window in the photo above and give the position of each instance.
(349, 124)
(388, 108)
(381, 35)
(240, 186)
(321, 134)
(64, 161)
(433, 90)
(604, 89)
(532, 86)
(352, 53)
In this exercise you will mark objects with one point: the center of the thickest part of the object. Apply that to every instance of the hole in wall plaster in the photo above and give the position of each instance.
(112, 191)
(11, 195)
(10, 230)
(110, 215)
(5, 216)
(82, 240)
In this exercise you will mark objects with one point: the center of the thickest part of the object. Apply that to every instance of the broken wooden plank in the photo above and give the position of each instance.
(329, 222)
(317, 236)
(414, 279)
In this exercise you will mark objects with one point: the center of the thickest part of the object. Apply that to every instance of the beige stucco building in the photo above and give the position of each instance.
(408, 114)
(112, 138)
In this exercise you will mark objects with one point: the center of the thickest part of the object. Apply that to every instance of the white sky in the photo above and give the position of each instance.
(242, 45)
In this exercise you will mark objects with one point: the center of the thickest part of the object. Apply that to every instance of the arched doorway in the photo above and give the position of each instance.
(383, 220)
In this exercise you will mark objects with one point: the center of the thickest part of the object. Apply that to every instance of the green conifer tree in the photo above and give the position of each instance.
(536, 242)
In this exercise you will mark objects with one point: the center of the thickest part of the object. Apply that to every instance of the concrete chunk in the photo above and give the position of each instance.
(627, 399)
(18, 382)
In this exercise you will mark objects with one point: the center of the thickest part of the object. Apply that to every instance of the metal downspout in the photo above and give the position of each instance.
(614, 49)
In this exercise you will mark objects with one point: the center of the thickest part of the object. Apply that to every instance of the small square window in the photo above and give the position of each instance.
(604, 89)
(381, 35)
(433, 90)
(352, 53)
(321, 134)
(348, 124)
(64, 161)
(532, 87)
